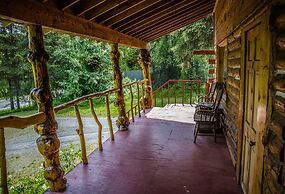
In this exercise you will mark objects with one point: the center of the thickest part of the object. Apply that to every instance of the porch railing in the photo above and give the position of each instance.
(23, 122)
(180, 92)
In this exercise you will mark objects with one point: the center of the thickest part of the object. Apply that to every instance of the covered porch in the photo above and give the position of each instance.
(157, 155)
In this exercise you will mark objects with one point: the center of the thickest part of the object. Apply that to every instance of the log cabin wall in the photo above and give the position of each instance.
(274, 139)
(231, 101)
(230, 17)
(229, 14)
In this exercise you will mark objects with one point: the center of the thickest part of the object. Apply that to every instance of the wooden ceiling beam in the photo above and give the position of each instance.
(103, 8)
(156, 16)
(171, 29)
(119, 10)
(141, 14)
(179, 24)
(109, 20)
(173, 10)
(50, 17)
(63, 5)
(85, 5)
(172, 20)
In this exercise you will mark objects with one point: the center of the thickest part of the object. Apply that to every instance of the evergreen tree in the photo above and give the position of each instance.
(172, 54)
(77, 66)
(14, 68)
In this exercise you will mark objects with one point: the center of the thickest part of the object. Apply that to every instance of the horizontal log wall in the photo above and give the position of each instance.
(231, 103)
(230, 14)
(274, 140)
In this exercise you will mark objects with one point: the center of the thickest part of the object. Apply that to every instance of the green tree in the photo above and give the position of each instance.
(172, 54)
(164, 63)
(77, 66)
(14, 68)
(129, 59)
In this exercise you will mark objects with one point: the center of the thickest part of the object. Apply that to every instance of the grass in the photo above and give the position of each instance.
(164, 95)
(31, 179)
(99, 106)
(24, 111)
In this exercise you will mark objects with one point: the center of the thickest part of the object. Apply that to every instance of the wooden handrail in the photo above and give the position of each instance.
(133, 83)
(22, 122)
(175, 81)
(90, 96)
(82, 99)
(167, 85)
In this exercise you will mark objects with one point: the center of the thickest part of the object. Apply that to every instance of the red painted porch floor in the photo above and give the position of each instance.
(157, 156)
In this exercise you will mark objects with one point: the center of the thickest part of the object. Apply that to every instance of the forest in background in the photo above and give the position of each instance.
(79, 66)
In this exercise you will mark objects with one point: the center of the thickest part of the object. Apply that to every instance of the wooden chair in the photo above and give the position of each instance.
(210, 96)
(210, 100)
(209, 115)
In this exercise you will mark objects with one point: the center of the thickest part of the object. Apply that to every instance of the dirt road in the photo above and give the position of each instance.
(21, 149)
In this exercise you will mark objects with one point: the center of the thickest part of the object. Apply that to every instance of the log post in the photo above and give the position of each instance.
(3, 163)
(123, 121)
(48, 142)
(145, 60)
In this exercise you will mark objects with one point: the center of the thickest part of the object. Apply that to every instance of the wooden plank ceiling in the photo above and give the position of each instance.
(143, 20)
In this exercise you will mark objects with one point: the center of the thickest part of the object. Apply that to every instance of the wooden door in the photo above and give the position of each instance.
(256, 55)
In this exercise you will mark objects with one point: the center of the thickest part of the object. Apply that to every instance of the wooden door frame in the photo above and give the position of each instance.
(264, 15)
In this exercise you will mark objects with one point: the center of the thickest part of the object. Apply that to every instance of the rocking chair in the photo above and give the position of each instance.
(209, 115)
(210, 96)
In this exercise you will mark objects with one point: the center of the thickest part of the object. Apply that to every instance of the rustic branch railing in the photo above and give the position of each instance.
(197, 89)
(23, 122)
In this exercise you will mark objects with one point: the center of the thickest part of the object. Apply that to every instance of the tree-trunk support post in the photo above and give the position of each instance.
(3, 165)
(145, 61)
(48, 142)
(123, 121)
